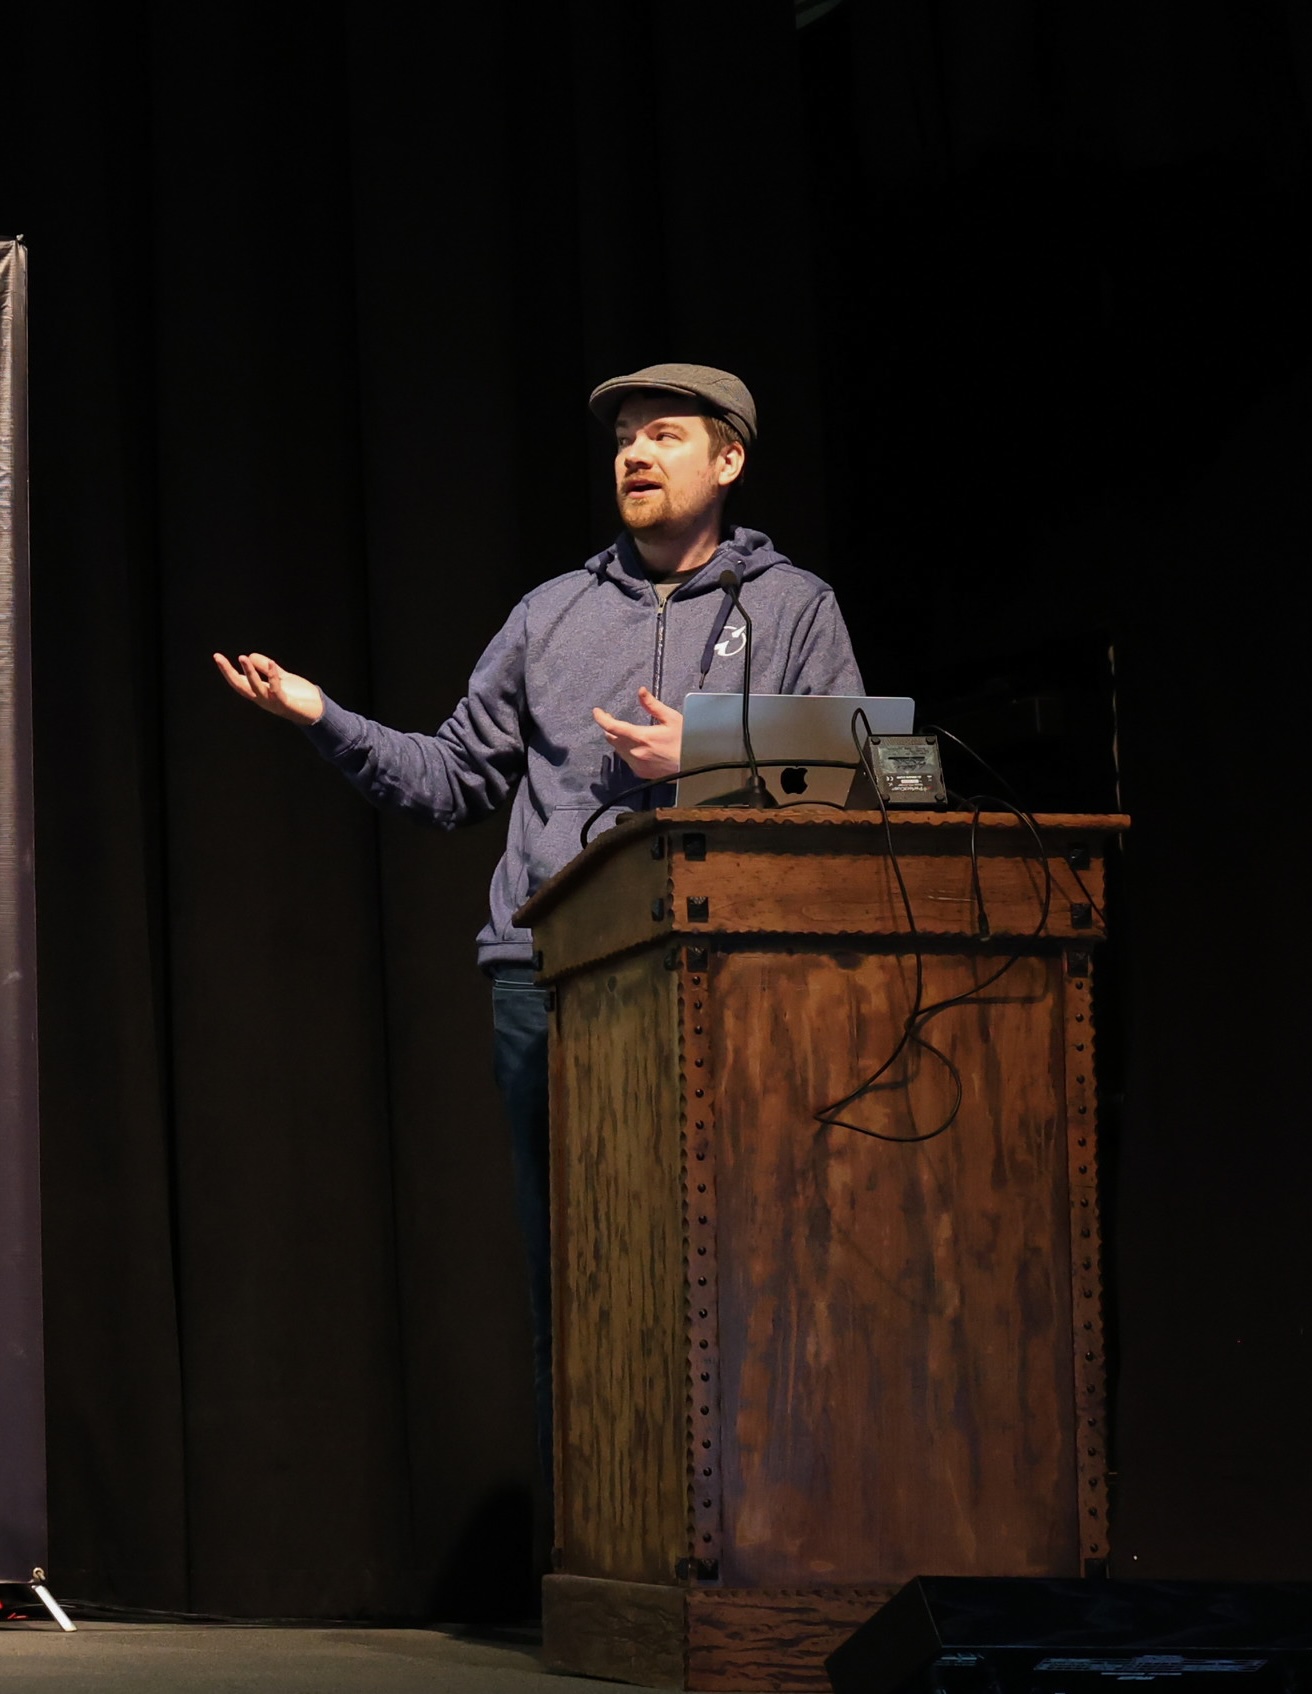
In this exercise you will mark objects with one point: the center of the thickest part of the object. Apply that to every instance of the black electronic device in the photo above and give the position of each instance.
(906, 769)
(1041, 1635)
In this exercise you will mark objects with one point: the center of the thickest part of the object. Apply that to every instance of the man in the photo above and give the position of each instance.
(550, 705)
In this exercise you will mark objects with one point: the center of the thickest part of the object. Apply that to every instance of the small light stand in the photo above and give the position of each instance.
(35, 1584)
(47, 1599)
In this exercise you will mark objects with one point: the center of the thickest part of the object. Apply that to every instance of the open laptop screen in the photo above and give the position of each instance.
(798, 728)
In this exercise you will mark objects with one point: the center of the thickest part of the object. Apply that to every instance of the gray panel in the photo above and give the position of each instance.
(22, 1388)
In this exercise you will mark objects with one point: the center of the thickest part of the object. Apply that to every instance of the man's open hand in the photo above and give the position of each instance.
(273, 689)
(649, 750)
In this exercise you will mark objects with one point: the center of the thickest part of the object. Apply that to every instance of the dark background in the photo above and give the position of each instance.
(317, 296)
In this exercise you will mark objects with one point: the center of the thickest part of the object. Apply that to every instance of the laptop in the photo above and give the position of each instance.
(796, 728)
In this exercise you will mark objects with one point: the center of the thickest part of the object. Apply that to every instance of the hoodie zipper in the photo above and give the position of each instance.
(658, 661)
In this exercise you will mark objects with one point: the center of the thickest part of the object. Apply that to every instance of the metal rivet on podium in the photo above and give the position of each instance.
(705, 1344)
(701, 1186)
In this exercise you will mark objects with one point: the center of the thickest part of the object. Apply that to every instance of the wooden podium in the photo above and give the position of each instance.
(797, 1366)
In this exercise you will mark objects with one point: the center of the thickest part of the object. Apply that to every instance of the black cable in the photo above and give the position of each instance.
(1045, 907)
(1018, 808)
(981, 911)
(970, 752)
(826, 1113)
(1084, 889)
(705, 770)
(919, 1013)
(761, 796)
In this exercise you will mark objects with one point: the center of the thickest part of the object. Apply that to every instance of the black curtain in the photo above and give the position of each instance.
(317, 295)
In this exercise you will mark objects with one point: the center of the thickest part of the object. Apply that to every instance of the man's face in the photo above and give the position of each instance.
(666, 477)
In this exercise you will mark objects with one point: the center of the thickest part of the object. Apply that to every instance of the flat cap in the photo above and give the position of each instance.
(720, 391)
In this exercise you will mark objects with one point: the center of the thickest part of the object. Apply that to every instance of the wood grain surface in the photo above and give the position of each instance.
(844, 882)
(798, 1364)
(718, 1640)
(621, 914)
(745, 1640)
(804, 872)
(625, 1631)
(617, 1233)
(895, 1321)
(1086, 1260)
(697, 1084)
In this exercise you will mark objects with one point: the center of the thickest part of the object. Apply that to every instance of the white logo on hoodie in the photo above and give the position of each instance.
(733, 641)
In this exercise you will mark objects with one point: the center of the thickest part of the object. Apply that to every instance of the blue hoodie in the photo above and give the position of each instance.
(589, 638)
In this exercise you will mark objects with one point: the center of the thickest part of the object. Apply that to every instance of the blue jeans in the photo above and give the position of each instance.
(519, 1057)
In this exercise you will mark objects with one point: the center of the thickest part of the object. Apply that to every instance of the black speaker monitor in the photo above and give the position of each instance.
(987, 1635)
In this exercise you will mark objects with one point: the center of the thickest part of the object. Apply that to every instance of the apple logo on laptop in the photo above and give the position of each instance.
(792, 779)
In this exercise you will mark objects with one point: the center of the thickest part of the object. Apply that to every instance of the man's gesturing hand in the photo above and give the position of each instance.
(273, 689)
(651, 750)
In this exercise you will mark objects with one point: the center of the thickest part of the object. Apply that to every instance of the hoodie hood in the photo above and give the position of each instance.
(747, 553)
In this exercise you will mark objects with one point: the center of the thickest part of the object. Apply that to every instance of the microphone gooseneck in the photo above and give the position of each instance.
(755, 793)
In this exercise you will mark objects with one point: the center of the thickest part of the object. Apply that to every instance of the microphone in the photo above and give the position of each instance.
(754, 793)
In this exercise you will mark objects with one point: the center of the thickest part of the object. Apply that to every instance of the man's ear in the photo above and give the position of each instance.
(732, 460)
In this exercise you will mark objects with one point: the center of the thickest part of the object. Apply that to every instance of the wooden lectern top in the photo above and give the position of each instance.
(816, 871)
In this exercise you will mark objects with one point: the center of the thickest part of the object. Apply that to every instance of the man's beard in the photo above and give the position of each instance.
(652, 512)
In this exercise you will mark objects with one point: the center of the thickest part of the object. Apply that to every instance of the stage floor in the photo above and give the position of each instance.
(125, 1658)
